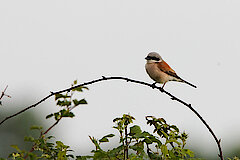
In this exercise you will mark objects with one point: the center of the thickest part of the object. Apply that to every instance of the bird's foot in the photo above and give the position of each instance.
(163, 85)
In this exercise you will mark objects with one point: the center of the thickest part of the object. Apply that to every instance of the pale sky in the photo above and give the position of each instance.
(45, 45)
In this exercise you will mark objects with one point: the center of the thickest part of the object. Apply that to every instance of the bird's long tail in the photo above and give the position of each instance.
(188, 83)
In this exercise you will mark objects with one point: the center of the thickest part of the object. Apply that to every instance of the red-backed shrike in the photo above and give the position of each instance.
(160, 71)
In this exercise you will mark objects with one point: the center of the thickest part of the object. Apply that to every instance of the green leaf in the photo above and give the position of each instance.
(172, 155)
(50, 144)
(155, 139)
(82, 101)
(164, 150)
(57, 115)
(116, 151)
(165, 135)
(189, 152)
(49, 116)
(153, 155)
(116, 119)
(160, 120)
(15, 147)
(100, 154)
(29, 139)
(174, 127)
(173, 140)
(94, 141)
(184, 135)
(145, 134)
(60, 103)
(75, 82)
(110, 135)
(63, 103)
(138, 146)
(57, 96)
(75, 102)
(35, 127)
(147, 140)
(80, 88)
(71, 115)
(66, 113)
(104, 139)
(59, 144)
(135, 130)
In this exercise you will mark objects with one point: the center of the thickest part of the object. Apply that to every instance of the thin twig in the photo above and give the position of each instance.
(32, 149)
(128, 80)
(45, 132)
(3, 93)
(52, 126)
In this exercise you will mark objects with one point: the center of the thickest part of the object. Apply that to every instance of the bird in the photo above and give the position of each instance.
(160, 71)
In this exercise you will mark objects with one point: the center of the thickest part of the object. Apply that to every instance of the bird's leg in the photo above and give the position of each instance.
(154, 85)
(163, 85)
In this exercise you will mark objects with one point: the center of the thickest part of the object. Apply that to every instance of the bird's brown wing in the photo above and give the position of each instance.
(164, 67)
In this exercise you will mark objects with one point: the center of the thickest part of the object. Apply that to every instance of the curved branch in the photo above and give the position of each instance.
(133, 81)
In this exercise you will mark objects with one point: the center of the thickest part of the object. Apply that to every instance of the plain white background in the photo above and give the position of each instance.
(45, 45)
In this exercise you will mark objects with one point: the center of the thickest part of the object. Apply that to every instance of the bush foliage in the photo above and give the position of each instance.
(165, 142)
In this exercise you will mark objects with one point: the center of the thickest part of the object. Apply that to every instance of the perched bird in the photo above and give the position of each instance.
(160, 71)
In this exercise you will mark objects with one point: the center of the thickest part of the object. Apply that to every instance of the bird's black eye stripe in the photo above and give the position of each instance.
(152, 58)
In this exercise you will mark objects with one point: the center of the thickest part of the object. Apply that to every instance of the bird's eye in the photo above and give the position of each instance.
(152, 58)
(155, 58)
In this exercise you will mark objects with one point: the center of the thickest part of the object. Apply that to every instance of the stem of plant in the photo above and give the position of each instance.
(126, 141)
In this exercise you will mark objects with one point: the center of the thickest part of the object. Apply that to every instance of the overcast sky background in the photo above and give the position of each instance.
(45, 45)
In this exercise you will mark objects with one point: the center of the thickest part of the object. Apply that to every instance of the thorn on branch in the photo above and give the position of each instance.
(173, 98)
(219, 141)
(161, 89)
(7, 95)
(103, 77)
(154, 85)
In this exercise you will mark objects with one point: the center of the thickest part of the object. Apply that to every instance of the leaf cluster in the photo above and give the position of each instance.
(67, 103)
(166, 142)
(43, 148)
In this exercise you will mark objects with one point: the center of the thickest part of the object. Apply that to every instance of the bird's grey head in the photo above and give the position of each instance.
(153, 57)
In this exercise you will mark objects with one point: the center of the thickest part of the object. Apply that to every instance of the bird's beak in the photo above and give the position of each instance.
(147, 58)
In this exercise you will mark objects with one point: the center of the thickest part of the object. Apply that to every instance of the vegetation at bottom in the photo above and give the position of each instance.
(165, 142)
